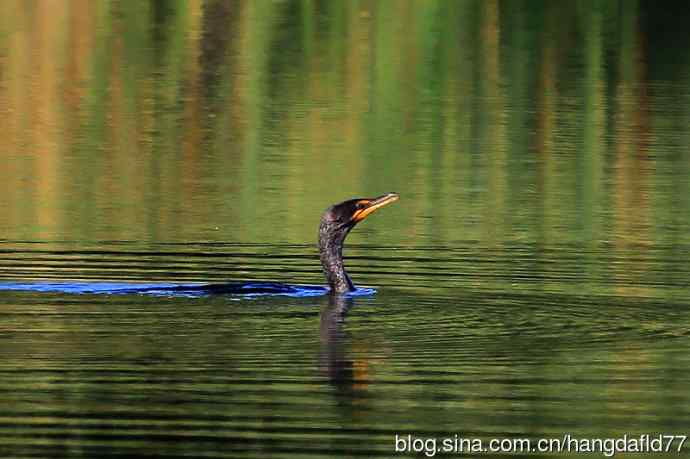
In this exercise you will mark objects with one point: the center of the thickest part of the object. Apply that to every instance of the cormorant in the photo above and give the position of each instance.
(336, 223)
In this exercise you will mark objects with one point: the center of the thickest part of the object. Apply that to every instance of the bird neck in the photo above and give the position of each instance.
(331, 254)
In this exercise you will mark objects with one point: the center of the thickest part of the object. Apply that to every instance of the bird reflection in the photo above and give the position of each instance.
(344, 374)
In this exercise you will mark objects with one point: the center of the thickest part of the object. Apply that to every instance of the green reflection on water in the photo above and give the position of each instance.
(208, 121)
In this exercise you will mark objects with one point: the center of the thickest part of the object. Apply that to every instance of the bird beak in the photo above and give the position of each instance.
(370, 205)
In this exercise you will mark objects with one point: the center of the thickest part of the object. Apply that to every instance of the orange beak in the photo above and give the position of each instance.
(370, 205)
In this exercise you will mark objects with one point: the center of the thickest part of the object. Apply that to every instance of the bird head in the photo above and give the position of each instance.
(340, 218)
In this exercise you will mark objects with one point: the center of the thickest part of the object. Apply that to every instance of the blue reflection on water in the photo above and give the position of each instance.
(194, 290)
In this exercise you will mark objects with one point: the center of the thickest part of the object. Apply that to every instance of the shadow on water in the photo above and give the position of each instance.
(336, 361)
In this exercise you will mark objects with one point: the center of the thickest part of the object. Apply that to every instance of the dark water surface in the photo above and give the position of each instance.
(532, 281)
(516, 343)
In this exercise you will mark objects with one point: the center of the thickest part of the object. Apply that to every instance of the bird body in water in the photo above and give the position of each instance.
(336, 223)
